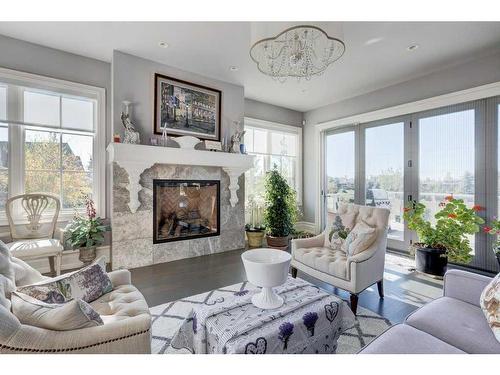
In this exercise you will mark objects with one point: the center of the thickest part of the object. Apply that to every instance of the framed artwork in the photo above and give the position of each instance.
(186, 108)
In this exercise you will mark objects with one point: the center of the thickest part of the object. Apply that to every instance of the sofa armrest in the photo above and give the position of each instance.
(464, 286)
(303, 243)
(120, 277)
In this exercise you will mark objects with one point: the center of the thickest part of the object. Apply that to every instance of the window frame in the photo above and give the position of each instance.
(17, 127)
(295, 130)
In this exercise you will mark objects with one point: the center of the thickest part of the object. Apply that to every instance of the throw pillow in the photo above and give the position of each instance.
(88, 284)
(359, 239)
(490, 304)
(340, 223)
(75, 314)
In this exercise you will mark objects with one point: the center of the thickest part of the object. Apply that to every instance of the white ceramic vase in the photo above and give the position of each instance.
(187, 142)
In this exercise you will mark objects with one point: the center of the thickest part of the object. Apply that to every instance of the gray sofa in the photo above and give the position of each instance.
(452, 324)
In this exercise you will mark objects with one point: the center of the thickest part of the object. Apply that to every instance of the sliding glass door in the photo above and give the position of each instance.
(340, 176)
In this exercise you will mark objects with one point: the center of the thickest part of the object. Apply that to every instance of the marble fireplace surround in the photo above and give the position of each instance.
(135, 166)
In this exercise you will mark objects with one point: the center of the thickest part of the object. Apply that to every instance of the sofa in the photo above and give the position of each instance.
(316, 257)
(124, 311)
(452, 324)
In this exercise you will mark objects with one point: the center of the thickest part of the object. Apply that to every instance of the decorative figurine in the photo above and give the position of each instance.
(131, 135)
(164, 136)
(236, 141)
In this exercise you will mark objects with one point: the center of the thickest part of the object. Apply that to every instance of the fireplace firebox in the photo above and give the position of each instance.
(185, 209)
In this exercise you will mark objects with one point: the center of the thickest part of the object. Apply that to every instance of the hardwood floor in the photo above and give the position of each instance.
(404, 289)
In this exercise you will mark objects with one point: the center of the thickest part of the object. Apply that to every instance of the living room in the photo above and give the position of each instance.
(233, 184)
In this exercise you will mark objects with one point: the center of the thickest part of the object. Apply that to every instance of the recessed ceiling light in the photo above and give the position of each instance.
(413, 47)
(233, 68)
(303, 90)
(163, 44)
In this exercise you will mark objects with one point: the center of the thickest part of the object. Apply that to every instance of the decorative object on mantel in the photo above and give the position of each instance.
(86, 233)
(187, 142)
(117, 138)
(186, 108)
(131, 135)
(236, 141)
(213, 146)
(136, 158)
(164, 137)
(301, 51)
(281, 210)
(243, 149)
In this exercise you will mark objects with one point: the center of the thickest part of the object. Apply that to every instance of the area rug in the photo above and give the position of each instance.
(168, 317)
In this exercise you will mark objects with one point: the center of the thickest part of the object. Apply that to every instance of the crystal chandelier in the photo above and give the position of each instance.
(300, 51)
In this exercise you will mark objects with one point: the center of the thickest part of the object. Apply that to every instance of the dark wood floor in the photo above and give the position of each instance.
(405, 290)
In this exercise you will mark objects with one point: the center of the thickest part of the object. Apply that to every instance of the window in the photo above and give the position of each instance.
(51, 140)
(274, 145)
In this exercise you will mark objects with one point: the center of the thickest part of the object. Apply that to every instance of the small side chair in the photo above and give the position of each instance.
(32, 237)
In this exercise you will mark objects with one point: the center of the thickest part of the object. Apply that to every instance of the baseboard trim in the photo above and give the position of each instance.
(69, 260)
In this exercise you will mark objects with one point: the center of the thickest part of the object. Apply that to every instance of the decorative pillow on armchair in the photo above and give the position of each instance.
(88, 284)
(341, 225)
(68, 316)
(490, 304)
(359, 239)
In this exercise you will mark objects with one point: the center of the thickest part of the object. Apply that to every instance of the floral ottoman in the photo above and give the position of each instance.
(310, 321)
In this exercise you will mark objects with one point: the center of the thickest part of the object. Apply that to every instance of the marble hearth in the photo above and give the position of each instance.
(134, 169)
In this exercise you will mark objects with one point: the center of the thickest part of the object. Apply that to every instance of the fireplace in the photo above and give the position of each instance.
(185, 209)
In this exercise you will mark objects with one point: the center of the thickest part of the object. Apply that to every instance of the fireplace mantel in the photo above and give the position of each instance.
(136, 158)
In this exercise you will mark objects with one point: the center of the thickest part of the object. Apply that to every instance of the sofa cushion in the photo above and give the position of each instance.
(324, 259)
(457, 323)
(75, 314)
(125, 301)
(490, 304)
(88, 284)
(404, 339)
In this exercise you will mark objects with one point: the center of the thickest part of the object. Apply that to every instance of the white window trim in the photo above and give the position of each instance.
(320, 129)
(69, 88)
(268, 125)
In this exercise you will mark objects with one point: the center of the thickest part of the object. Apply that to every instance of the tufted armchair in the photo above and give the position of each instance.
(125, 313)
(315, 257)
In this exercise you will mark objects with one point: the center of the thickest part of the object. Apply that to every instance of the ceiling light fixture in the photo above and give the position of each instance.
(301, 52)
(413, 47)
(163, 44)
(233, 68)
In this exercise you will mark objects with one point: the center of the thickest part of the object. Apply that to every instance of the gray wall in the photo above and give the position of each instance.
(133, 80)
(458, 77)
(269, 112)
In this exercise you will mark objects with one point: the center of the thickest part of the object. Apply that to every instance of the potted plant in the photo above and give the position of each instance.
(280, 212)
(494, 230)
(255, 235)
(445, 240)
(86, 233)
(255, 230)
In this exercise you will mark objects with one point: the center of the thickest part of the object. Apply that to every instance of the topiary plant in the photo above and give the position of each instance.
(281, 211)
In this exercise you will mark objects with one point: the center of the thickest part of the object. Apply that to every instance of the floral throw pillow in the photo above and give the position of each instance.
(87, 284)
(490, 304)
(339, 230)
(359, 239)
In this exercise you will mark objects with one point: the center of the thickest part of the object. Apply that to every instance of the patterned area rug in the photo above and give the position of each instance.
(168, 317)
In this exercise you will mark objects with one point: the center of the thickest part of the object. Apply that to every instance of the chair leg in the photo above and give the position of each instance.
(380, 286)
(354, 303)
(53, 271)
(293, 271)
(58, 264)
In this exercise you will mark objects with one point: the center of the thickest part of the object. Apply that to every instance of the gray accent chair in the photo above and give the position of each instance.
(452, 324)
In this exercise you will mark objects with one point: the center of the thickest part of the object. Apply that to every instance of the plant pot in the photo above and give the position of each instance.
(87, 255)
(255, 238)
(280, 243)
(431, 261)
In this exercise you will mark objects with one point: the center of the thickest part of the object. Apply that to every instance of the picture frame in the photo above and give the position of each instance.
(186, 108)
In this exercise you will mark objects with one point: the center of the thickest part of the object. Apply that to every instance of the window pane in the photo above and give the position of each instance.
(41, 108)
(43, 182)
(76, 186)
(291, 141)
(384, 168)
(4, 165)
(278, 144)
(77, 114)
(446, 165)
(260, 141)
(249, 139)
(42, 151)
(77, 152)
(339, 171)
(3, 103)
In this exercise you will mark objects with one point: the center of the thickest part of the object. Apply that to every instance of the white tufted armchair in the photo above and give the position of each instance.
(125, 313)
(315, 257)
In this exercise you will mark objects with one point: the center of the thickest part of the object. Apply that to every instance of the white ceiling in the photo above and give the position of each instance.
(375, 57)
